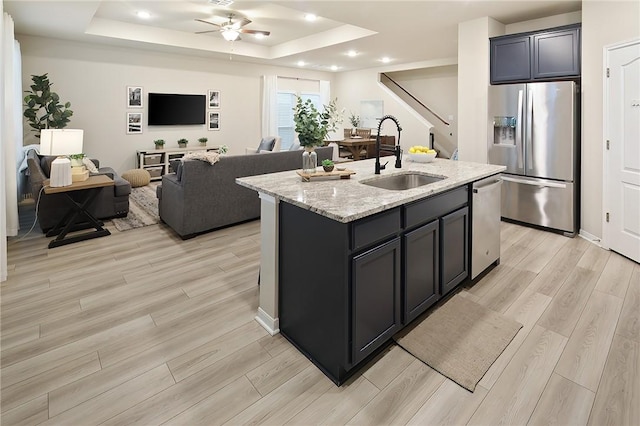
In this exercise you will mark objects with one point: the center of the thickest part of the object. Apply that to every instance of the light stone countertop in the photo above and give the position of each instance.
(346, 200)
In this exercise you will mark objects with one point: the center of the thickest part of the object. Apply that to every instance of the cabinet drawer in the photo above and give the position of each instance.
(375, 228)
(425, 210)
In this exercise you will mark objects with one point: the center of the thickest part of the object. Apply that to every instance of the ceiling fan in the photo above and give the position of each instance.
(232, 28)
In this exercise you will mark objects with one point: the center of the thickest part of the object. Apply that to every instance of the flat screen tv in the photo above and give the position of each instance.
(173, 109)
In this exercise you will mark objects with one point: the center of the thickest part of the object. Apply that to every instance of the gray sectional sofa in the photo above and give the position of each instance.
(201, 197)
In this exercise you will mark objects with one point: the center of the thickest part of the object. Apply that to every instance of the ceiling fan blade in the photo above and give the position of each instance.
(207, 22)
(264, 33)
(205, 32)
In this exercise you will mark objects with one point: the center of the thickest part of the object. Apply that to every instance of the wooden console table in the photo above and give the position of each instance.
(88, 190)
(356, 146)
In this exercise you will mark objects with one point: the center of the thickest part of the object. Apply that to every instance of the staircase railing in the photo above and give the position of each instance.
(415, 99)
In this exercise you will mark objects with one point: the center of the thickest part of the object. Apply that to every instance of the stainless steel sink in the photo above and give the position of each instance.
(402, 182)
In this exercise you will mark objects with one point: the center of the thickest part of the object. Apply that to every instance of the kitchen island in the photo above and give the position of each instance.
(345, 265)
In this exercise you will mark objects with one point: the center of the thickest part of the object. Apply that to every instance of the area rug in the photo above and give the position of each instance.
(143, 209)
(460, 340)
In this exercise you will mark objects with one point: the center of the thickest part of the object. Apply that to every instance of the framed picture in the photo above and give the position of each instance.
(134, 122)
(214, 121)
(214, 99)
(134, 97)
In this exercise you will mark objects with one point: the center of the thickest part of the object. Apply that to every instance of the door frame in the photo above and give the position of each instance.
(606, 179)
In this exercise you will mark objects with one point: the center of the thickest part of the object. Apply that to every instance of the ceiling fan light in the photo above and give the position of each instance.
(230, 34)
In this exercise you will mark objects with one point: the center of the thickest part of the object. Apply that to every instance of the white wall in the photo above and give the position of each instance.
(544, 23)
(437, 88)
(473, 84)
(94, 79)
(603, 23)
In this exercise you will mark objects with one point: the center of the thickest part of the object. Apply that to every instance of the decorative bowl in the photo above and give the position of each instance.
(422, 157)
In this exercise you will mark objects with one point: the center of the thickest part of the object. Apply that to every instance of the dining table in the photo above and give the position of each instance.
(356, 146)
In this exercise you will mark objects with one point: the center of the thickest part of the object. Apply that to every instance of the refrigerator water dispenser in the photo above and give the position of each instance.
(504, 130)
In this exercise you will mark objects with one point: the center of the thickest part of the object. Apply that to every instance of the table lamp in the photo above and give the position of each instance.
(61, 142)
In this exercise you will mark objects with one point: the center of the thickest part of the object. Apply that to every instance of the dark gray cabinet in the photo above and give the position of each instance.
(454, 240)
(346, 288)
(375, 298)
(510, 58)
(536, 56)
(421, 249)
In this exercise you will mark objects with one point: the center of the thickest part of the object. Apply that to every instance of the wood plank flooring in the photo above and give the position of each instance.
(142, 328)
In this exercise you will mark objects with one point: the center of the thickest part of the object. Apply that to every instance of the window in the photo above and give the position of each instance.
(286, 126)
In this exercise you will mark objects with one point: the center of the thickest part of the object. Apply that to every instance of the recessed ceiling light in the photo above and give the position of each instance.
(385, 59)
(352, 53)
(310, 17)
(334, 68)
(301, 63)
(143, 14)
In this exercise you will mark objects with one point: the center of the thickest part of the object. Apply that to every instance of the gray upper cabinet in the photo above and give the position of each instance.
(545, 55)
(510, 59)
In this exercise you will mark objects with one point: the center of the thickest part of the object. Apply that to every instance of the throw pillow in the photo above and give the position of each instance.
(266, 144)
(295, 146)
(89, 165)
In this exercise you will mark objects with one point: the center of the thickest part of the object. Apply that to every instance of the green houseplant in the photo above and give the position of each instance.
(182, 143)
(312, 126)
(327, 165)
(76, 159)
(43, 107)
(159, 143)
(203, 141)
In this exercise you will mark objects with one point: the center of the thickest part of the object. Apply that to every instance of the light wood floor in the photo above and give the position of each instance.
(143, 328)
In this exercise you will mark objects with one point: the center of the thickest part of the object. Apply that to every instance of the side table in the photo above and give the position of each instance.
(88, 190)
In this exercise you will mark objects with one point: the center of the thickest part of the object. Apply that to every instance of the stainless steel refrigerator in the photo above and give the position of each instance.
(534, 130)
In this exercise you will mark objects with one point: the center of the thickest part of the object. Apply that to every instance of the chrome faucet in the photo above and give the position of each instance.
(397, 151)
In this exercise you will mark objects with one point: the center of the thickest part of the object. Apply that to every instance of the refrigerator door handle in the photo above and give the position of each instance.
(545, 184)
(529, 131)
(488, 187)
(519, 129)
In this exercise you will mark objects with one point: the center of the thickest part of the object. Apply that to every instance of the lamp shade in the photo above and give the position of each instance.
(61, 141)
(230, 34)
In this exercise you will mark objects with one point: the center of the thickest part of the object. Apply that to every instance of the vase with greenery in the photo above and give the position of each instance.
(182, 143)
(203, 141)
(159, 143)
(355, 122)
(43, 107)
(312, 127)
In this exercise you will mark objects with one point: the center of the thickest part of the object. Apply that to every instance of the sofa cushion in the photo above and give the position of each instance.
(266, 144)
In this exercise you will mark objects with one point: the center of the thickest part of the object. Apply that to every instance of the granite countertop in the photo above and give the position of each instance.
(346, 200)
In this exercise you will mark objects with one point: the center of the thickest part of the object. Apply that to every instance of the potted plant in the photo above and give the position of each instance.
(327, 165)
(223, 149)
(43, 107)
(159, 143)
(203, 141)
(355, 122)
(312, 127)
(182, 143)
(76, 159)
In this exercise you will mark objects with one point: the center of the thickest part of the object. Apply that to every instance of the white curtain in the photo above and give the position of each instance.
(11, 135)
(269, 105)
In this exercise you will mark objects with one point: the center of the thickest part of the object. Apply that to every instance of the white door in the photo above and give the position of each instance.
(622, 158)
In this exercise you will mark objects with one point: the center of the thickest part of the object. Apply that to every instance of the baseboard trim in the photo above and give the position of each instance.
(272, 325)
(591, 238)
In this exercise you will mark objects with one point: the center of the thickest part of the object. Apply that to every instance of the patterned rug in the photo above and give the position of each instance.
(143, 209)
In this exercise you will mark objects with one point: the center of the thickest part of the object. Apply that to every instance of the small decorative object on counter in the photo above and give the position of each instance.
(159, 143)
(182, 143)
(309, 160)
(327, 165)
(203, 141)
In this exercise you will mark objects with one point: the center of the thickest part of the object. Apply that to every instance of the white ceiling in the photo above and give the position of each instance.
(404, 31)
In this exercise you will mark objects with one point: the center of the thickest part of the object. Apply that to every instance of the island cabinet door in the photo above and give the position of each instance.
(421, 270)
(454, 242)
(375, 299)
